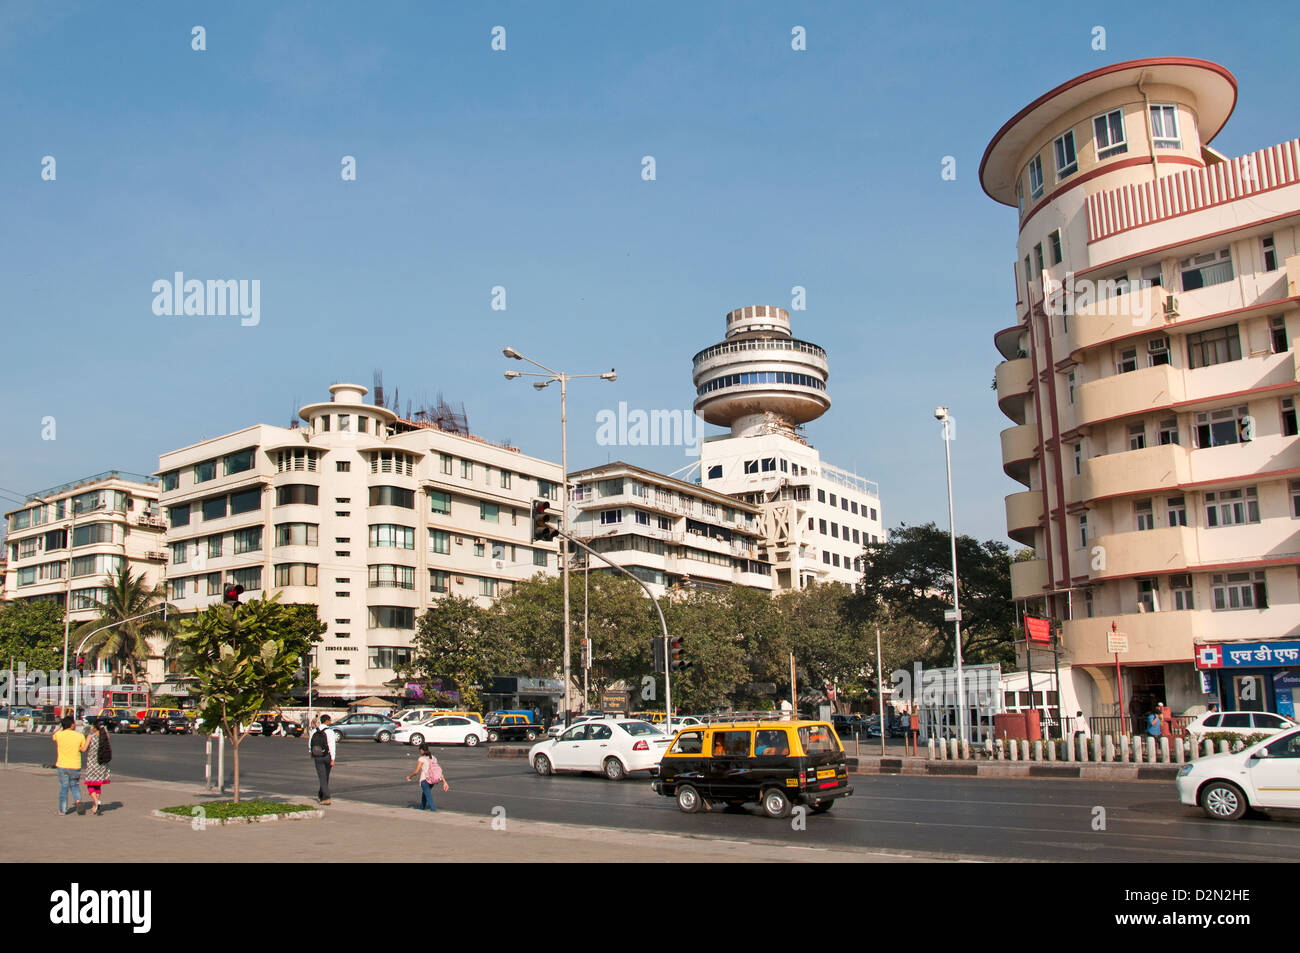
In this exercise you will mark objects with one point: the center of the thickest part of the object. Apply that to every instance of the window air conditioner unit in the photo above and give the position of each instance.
(460, 580)
(500, 564)
(1171, 307)
(1156, 345)
(480, 541)
(460, 540)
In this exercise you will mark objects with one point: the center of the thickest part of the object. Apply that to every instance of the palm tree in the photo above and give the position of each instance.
(126, 644)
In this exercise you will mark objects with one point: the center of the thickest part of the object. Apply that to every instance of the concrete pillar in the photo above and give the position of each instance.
(1096, 750)
(953, 749)
(1151, 749)
(1207, 747)
(965, 750)
(1110, 749)
(1124, 749)
(1164, 750)
(1178, 751)
(1137, 748)
(1024, 749)
(1002, 750)
(1051, 750)
(1068, 748)
(1225, 748)
(1015, 750)
(941, 748)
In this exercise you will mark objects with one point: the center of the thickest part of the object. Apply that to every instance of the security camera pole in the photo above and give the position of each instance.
(941, 414)
(547, 379)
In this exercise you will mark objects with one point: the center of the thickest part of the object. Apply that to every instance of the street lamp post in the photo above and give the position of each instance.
(67, 596)
(941, 414)
(549, 377)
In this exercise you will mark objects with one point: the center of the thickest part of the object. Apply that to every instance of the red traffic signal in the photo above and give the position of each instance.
(545, 523)
(677, 654)
(232, 594)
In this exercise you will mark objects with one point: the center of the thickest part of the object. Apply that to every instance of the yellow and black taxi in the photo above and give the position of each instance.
(168, 721)
(776, 764)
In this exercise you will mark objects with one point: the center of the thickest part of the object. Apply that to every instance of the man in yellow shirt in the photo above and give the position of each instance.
(69, 744)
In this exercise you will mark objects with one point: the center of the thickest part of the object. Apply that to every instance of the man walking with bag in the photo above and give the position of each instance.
(323, 744)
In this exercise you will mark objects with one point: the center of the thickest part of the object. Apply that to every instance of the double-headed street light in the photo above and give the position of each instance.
(941, 414)
(548, 377)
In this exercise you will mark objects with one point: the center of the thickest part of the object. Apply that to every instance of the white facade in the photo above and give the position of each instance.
(370, 517)
(668, 533)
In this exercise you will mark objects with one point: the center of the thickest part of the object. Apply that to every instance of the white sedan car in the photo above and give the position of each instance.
(1239, 723)
(612, 746)
(1226, 786)
(443, 730)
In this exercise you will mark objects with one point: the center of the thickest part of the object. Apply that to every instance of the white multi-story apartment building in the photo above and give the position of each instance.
(366, 515)
(763, 384)
(65, 543)
(1151, 379)
(668, 533)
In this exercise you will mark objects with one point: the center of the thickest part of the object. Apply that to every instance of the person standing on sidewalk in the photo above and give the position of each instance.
(323, 744)
(69, 744)
(430, 773)
(96, 774)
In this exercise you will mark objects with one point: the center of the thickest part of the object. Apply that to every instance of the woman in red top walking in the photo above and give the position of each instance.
(430, 773)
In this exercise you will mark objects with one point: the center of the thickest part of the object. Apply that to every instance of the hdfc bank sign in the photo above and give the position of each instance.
(1209, 656)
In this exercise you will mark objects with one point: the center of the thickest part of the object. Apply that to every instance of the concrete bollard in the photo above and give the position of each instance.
(941, 749)
(1123, 749)
(965, 750)
(1024, 749)
(930, 745)
(1178, 751)
(1137, 748)
(1067, 748)
(1002, 749)
(1051, 750)
(1151, 750)
(1164, 749)
(1207, 747)
(1015, 750)
(953, 750)
(1096, 750)
(1225, 748)
(1110, 748)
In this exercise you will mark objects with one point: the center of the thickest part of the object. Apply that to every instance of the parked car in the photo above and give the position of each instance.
(512, 727)
(613, 746)
(777, 764)
(1264, 775)
(365, 727)
(411, 715)
(557, 729)
(273, 722)
(442, 730)
(1243, 724)
(119, 719)
(167, 721)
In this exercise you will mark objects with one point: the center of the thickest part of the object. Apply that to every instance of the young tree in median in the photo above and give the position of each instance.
(455, 640)
(246, 658)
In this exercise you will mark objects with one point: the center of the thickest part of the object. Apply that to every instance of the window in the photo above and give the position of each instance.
(1029, 271)
(821, 527)
(170, 480)
(297, 493)
(1128, 361)
(540, 558)
(1078, 458)
(205, 471)
(214, 547)
(1270, 253)
(548, 490)
(853, 508)
(249, 578)
(214, 508)
(363, 424)
(1108, 134)
(391, 577)
(1157, 351)
(1054, 247)
(296, 534)
(1066, 160)
(663, 522)
(873, 512)
(480, 549)
(392, 617)
(1137, 437)
(438, 580)
(505, 479)
(295, 574)
(769, 464)
(439, 542)
(1277, 334)
(1210, 268)
(90, 534)
(1087, 603)
(642, 517)
(389, 534)
(1148, 595)
(1231, 507)
(445, 460)
(1036, 177)
(821, 496)
(391, 496)
(1038, 257)
(248, 540)
(1070, 385)
(179, 553)
(440, 502)
(1168, 431)
(1239, 590)
(715, 472)
(214, 584)
(835, 530)
(488, 512)
(238, 461)
(610, 517)
(1083, 530)
(467, 469)
(1175, 511)
(487, 587)
(1020, 203)
(1164, 127)
(832, 499)
(1145, 514)
(1181, 588)
(1289, 423)
(1219, 428)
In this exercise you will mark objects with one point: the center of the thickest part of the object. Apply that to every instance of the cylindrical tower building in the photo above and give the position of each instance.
(760, 379)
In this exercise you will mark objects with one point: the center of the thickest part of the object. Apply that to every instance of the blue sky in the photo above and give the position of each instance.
(522, 169)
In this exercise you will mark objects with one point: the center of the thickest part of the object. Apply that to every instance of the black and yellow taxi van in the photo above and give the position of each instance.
(776, 764)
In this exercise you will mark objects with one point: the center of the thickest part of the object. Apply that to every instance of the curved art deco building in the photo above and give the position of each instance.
(1151, 383)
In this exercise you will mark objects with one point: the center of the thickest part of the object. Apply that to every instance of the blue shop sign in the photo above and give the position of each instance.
(1248, 655)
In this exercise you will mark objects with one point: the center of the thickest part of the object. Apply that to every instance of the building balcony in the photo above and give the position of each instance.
(1019, 447)
(1024, 515)
(1134, 472)
(1014, 381)
(1099, 321)
(1152, 637)
(1028, 578)
(1124, 395)
(1151, 552)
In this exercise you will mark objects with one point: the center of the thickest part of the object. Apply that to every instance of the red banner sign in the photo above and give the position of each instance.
(1039, 630)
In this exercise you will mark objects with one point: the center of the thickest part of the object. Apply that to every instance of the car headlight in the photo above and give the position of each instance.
(1185, 770)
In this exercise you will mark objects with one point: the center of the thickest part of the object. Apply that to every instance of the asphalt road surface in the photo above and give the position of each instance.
(1038, 819)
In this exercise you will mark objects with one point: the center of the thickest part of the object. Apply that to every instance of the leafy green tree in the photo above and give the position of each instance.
(32, 633)
(530, 619)
(829, 645)
(911, 576)
(713, 644)
(246, 658)
(127, 645)
(456, 641)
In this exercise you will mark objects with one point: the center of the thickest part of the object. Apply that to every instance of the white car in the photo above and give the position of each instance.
(1240, 723)
(442, 730)
(555, 729)
(613, 746)
(1226, 786)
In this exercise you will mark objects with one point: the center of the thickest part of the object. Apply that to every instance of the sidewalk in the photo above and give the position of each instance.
(350, 831)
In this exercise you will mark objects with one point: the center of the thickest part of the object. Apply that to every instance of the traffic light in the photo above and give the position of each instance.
(657, 652)
(81, 661)
(546, 524)
(677, 654)
(231, 594)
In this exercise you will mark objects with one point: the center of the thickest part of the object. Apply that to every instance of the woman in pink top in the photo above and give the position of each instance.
(430, 773)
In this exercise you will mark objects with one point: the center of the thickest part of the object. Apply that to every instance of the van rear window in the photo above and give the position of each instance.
(818, 739)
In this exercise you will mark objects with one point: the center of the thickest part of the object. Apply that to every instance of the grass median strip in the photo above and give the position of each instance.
(226, 810)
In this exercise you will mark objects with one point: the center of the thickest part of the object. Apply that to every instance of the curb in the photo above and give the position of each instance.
(512, 751)
(199, 822)
(1012, 769)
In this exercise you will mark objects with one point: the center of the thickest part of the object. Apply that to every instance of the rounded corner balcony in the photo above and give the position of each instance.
(1213, 87)
(1024, 515)
(726, 398)
(1019, 448)
(1014, 380)
(1134, 472)
(1028, 578)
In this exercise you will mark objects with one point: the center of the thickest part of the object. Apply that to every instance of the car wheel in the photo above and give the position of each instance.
(1223, 801)
(531, 735)
(542, 765)
(417, 740)
(689, 800)
(384, 736)
(493, 736)
(775, 803)
(614, 769)
(471, 741)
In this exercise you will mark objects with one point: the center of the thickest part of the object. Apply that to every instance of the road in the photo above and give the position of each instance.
(978, 818)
